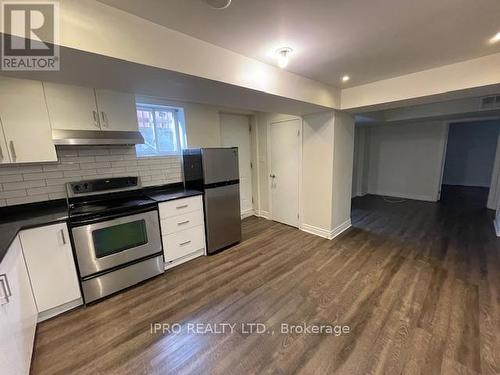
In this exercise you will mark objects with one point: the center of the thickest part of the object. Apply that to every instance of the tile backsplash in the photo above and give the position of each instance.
(39, 182)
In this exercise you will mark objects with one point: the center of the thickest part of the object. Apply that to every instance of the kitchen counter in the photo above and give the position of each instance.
(15, 218)
(169, 193)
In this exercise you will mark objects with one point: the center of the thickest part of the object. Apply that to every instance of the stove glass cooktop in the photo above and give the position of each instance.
(108, 207)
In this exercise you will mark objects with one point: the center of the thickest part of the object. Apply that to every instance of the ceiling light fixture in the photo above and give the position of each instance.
(345, 78)
(283, 56)
(495, 39)
(218, 4)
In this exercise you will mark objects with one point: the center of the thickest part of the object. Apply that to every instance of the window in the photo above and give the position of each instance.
(162, 129)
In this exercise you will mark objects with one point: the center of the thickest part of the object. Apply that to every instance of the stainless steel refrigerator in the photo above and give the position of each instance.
(215, 172)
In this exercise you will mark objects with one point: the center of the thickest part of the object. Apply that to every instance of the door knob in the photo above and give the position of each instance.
(272, 175)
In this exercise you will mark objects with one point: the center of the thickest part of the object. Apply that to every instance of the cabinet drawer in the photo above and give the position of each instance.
(180, 206)
(183, 243)
(177, 223)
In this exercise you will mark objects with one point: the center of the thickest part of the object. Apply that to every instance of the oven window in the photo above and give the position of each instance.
(112, 240)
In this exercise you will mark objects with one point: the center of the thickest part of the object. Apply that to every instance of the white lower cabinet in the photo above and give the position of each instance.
(52, 270)
(18, 313)
(183, 230)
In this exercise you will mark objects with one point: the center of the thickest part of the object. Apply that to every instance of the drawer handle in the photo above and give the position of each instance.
(183, 222)
(183, 206)
(7, 293)
(184, 243)
(63, 238)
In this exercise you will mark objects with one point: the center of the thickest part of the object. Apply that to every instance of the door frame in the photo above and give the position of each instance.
(494, 188)
(269, 166)
(443, 161)
(251, 127)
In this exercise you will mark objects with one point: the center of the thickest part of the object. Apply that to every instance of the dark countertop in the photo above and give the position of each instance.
(170, 193)
(15, 218)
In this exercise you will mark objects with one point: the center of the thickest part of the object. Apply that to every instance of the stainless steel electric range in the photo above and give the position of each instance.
(116, 234)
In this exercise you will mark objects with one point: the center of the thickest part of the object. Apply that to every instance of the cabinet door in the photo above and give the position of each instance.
(4, 153)
(71, 107)
(51, 266)
(117, 110)
(25, 121)
(17, 313)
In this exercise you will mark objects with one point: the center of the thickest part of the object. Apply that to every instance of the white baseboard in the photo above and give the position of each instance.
(263, 214)
(315, 230)
(44, 315)
(417, 197)
(340, 228)
(496, 223)
(325, 233)
(247, 213)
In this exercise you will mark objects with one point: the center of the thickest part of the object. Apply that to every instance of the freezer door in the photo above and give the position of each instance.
(223, 218)
(220, 164)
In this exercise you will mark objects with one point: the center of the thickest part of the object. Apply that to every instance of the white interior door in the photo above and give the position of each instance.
(235, 132)
(284, 168)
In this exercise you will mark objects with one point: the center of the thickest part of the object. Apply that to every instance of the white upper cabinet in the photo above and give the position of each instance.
(71, 107)
(117, 110)
(25, 122)
(82, 108)
(51, 266)
(4, 153)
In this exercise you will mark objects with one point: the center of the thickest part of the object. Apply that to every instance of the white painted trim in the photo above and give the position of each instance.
(496, 223)
(325, 233)
(427, 198)
(44, 315)
(443, 160)
(315, 230)
(263, 214)
(269, 166)
(247, 213)
(340, 228)
(495, 180)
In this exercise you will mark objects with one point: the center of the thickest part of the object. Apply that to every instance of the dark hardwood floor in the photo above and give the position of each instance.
(417, 283)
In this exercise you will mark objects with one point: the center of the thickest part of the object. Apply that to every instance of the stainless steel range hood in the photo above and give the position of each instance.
(90, 137)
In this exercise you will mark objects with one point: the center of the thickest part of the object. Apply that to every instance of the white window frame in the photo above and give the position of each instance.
(181, 141)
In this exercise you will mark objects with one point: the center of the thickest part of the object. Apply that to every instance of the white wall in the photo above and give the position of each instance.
(470, 153)
(91, 26)
(317, 170)
(261, 121)
(359, 177)
(327, 164)
(343, 137)
(405, 160)
(443, 80)
(202, 121)
(327, 158)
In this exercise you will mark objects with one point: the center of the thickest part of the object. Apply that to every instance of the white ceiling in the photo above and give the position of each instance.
(369, 40)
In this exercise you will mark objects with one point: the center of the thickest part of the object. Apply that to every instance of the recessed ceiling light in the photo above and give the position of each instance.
(283, 56)
(218, 4)
(345, 78)
(495, 39)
